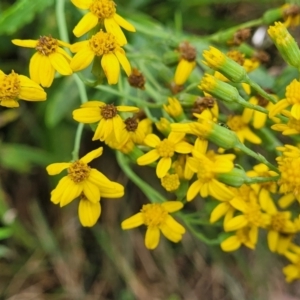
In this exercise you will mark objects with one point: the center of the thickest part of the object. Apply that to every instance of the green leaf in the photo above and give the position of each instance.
(20, 157)
(21, 13)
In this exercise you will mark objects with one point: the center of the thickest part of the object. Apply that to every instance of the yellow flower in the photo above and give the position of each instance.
(164, 151)
(101, 11)
(207, 172)
(243, 236)
(241, 128)
(157, 218)
(104, 45)
(88, 212)
(291, 127)
(50, 57)
(106, 115)
(291, 15)
(82, 178)
(14, 87)
(186, 64)
(258, 118)
(292, 271)
(292, 97)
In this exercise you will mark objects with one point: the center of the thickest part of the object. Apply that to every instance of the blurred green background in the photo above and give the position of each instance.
(44, 252)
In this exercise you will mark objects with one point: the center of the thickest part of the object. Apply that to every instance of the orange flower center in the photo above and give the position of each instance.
(46, 45)
(10, 87)
(103, 43)
(153, 214)
(165, 148)
(103, 9)
(79, 171)
(108, 111)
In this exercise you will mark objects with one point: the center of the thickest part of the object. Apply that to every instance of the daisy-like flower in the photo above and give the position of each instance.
(237, 124)
(157, 219)
(292, 98)
(104, 45)
(291, 127)
(106, 115)
(14, 87)
(164, 151)
(50, 57)
(207, 173)
(101, 11)
(186, 64)
(281, 228)
(292, 271)
(82, 178)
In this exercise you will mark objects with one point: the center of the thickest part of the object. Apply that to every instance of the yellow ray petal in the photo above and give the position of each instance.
(88, 213)
(111, 68)
(152, 140)
(92, 155)
(123, 23)
(82, 4)
(231, 244)
(193, 190)
(46, 71)
(120, 54)
(172, 206)
(132, 222)
(25, 43)
(148, 158)
(87, 115)
(34, 67)
(86, 23)
(82, 59)
(60, 64)
(163, 166)
(113, 27)
(152, 237)
(56, 168)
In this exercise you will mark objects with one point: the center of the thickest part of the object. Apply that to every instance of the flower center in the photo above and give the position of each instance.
(203, 103)
(136, 79)
(131, 124)
(79, 171)
(10, 86)
(103, 43)
(278, 222)
(46, 45)
(165, 148)
(205, 173)
(153, 214)
(292, 92)
(108, 111)
(254, 215)
(170, 182)
(103, 9)
(243, 235)
(263, 102)
(187, 51)
(235, 123)
(290, 175)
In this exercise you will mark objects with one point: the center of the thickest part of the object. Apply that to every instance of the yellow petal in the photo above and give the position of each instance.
(219, 211)
(91, 191)
(183, 147)
(152, 237)
(100, 180)
(25, 43)
(174, 225)
(64, 54)
(151, 140)
(111, 68)
(56, 168)
(295, 111)
(34, 67)
(172, 206)
(83, 4)
(87, 22)
(231, 244)
(183, 71)
(219, 190)
(163, 166)
(148, 158)
(87, 115)
(120, 54)
(76, 47)
(30, 90)
(116, 191)
(60, 64)
(171, 235)
(88, 212)
(193, 190)
(286, 200)
(59, 190)
(113, 27)
(9, 103)
(71, 192)
(278, 107)
(236, 223)
(132, 222)
(123, 23)
(82, 59)
(92, 155)
(46, 71)
(272, 240)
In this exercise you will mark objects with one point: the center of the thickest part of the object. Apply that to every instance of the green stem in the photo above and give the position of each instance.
(257, 156)
(151, 193)
(243, 102)
(251, 180)
(261, 91)
(61, 20)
